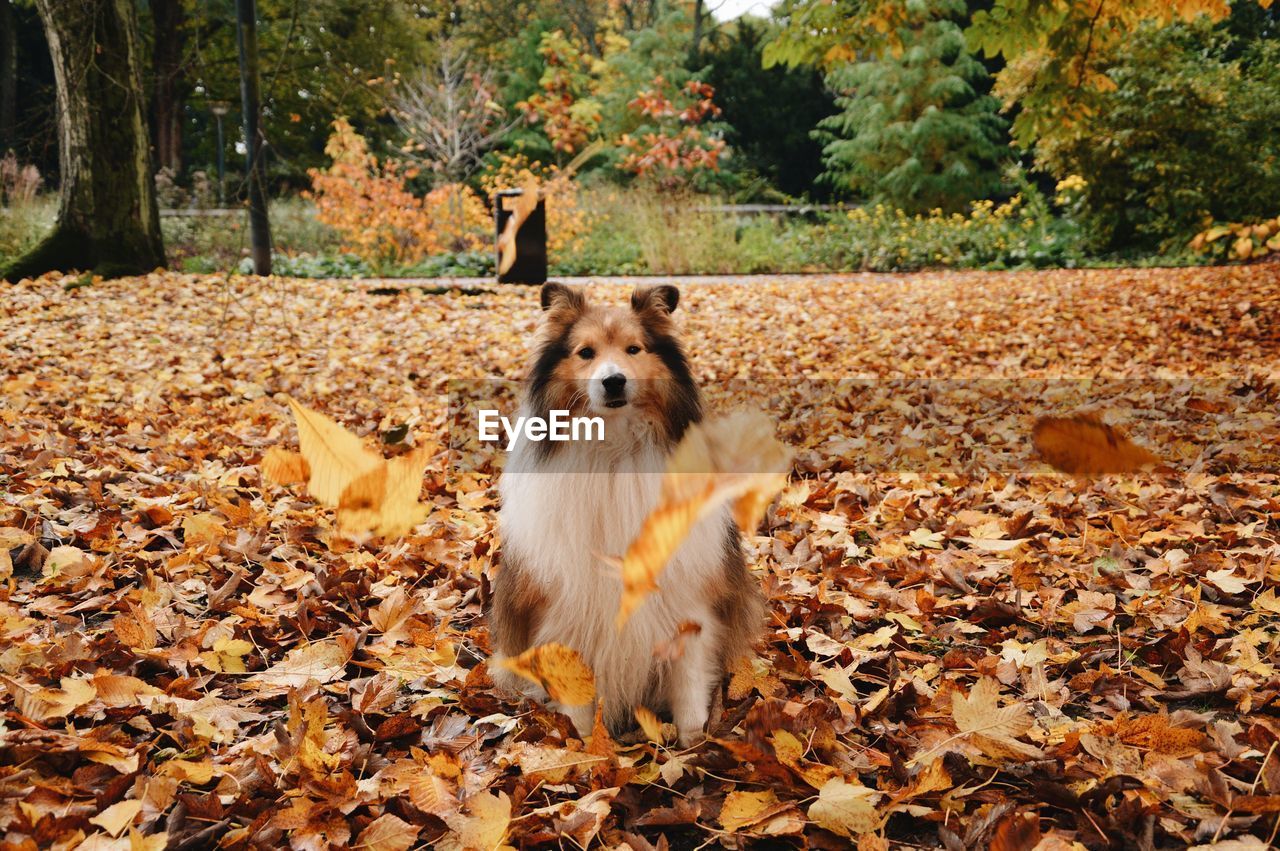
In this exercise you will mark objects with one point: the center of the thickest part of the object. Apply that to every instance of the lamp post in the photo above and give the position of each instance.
(220, 108)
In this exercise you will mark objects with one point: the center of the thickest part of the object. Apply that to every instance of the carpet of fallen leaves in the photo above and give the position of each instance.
(192, 657)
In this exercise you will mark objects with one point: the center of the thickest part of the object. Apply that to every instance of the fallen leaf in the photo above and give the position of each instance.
(117, 817)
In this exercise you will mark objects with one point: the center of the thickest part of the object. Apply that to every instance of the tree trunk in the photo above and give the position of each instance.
(251, 108)
(166, 64)
(107, 215)
(697, 32)
(8, 76)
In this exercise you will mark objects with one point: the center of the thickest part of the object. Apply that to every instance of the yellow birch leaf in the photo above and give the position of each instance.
(336, 456)
(559, 670)
(734, 459)
(743, 809)
(384, 500)
(387, 833)
(649, 723)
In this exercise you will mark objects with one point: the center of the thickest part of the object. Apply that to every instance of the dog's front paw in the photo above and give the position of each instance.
(690, 738)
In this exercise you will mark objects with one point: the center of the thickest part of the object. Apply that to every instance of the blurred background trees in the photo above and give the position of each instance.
(1132, 126)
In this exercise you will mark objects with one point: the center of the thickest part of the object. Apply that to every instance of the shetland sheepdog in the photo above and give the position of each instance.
(567, 504)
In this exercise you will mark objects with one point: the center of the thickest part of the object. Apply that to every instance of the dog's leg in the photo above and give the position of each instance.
(693, 676)
(583, 717)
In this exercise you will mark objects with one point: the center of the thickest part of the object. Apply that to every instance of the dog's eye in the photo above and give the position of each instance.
(586, 353)
(633, 350)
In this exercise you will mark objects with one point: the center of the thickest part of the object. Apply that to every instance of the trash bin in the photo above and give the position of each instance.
(530, 266)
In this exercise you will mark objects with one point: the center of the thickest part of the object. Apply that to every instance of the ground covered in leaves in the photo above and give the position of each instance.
(964, 648)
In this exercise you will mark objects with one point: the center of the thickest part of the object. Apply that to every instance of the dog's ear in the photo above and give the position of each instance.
(663, 298)
(559, 296)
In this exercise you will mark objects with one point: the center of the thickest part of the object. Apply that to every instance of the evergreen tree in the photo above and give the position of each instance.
(914, 129)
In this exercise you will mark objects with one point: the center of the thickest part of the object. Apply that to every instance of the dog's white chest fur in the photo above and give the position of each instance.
(559, 516)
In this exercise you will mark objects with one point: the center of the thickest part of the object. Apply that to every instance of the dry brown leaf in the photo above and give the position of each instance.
(559, 670)
(734, 459)
(387, 833)
(993, 728)
(321, 661)
(1084, 445)
(483, 827)
(845, 808)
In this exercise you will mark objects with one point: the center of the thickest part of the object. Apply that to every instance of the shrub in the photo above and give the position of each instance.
(1019, 232)
(1238, 240)
(379, 218)
(914, 131)
(1190, 130)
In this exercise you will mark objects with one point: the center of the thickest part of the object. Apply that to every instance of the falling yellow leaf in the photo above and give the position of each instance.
(284, 467)
(372, 494)
(649, 723)
(385, 499)
(336, 456)
(559, 670)
(734, 459)
(522, 207)
(1085, 445)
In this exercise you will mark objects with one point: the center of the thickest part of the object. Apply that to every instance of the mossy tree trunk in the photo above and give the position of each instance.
(108, 220)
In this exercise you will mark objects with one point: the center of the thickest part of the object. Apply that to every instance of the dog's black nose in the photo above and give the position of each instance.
(613, 384)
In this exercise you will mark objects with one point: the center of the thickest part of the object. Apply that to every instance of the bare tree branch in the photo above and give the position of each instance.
(449, 115)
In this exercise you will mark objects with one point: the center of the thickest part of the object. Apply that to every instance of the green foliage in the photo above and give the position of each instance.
(341, 265)
(769, 112)
(319, 59)
(827, 33)
(1017, 234)
(914, 132)
(23, 224)
(1057, 51)
(1190, 132)
(462, 264)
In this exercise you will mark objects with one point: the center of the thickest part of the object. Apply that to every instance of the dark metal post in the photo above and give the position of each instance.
(219, 108)
(259, 227)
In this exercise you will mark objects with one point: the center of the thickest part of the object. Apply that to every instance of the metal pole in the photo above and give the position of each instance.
(222, 166)
(259, 227)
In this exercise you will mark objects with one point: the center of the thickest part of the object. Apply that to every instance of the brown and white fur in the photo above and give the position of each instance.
(564, 505)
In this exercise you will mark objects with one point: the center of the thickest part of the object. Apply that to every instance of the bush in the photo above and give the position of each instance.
(379, 218)
(211, 243)
(343, 265)
(1191, 131)
(1018, 233)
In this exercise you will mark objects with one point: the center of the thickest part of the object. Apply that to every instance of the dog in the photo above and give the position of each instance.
(567, 506)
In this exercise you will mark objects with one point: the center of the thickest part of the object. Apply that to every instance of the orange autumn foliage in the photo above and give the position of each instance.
(379, 218)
